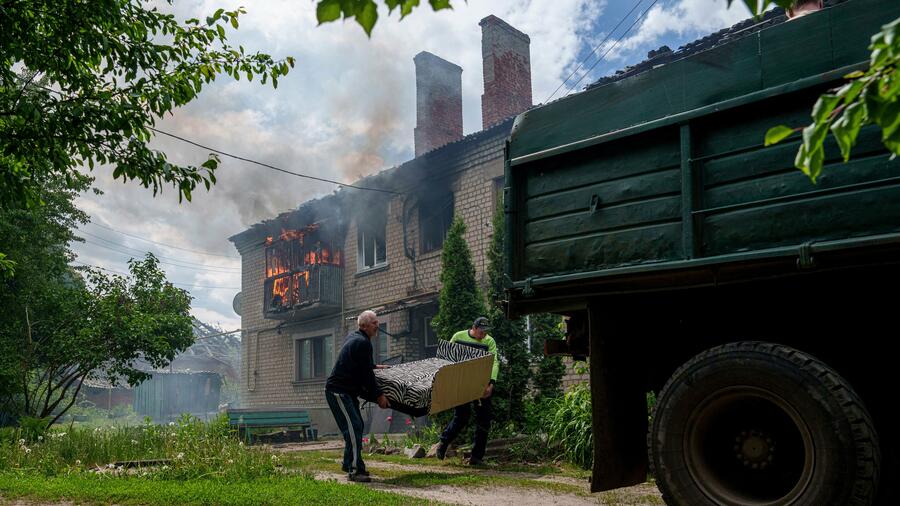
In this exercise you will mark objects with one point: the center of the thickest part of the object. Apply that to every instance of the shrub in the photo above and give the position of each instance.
(571, 427)
(32, 428)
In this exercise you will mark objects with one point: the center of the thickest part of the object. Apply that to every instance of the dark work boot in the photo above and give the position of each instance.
(441, 451)
(359, 477)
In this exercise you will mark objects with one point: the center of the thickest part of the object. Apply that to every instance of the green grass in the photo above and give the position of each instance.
(132, 490)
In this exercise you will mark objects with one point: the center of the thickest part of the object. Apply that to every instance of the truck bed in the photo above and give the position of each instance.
(661, 179)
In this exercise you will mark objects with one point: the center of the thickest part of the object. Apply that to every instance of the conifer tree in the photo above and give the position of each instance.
(461, 301)
(512, 385)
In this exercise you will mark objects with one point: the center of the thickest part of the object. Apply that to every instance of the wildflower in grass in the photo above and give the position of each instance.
(165, 468)
(171, 424)
(230, 461)
(110, 466)
(365, 440)
(27, 450)
(408, 421)
(77, 462)
(134, 441)
(390, 419)
(21, 442)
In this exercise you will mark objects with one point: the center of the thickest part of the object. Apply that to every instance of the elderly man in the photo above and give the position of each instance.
(353, 377)
(476, 336)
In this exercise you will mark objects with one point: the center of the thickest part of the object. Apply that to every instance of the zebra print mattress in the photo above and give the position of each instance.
(408, 386)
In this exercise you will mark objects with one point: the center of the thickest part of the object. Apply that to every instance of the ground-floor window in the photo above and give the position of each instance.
(312, 357)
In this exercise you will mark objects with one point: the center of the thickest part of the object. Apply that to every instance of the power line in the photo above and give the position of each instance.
(163, 260)
(640, 17)
(585, 59)
(163, 244)
(248, 160)
(188, 285)
(266, 165)
(217, 335)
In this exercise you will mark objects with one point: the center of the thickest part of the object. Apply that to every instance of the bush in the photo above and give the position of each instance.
(571, 427)
(33, 429)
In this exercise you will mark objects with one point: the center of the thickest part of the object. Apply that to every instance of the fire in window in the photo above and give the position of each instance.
(293, 261)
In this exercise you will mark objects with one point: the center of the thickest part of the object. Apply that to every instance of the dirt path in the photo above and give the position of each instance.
(644, 494)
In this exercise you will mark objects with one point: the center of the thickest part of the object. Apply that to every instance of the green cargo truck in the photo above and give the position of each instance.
(698, 264)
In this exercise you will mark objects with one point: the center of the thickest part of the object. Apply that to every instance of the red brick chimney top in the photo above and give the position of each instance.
(506, 58)
(438, 102)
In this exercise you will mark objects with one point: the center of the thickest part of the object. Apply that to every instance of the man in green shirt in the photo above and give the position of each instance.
(476, 336)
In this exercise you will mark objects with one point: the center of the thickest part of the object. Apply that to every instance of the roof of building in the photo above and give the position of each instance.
(665, 55)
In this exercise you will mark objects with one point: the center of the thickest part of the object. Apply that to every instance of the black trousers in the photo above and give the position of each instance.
(345, 409)
(460, 419)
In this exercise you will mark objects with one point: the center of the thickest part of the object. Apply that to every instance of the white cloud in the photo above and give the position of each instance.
(686, 17)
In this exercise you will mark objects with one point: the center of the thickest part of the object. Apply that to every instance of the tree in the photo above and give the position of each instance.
(511, 337)
(460, 300)
(83, 85)
(365, 12)
(549, 371)
(60, 326)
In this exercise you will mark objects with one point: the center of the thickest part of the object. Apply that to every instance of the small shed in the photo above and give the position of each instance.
(167, 395)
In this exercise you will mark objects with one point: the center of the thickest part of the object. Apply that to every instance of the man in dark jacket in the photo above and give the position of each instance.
(353, 376)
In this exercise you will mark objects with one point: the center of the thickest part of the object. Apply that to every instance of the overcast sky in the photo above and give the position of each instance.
(346, 110)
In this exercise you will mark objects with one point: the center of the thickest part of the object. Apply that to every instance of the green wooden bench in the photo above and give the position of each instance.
(248, 420)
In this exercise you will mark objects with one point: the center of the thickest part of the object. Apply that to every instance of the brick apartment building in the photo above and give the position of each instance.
(307, 273)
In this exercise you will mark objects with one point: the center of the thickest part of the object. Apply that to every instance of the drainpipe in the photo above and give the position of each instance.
(408, 252)
(255, 364)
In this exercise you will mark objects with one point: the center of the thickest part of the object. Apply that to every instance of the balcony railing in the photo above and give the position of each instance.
(317, 286)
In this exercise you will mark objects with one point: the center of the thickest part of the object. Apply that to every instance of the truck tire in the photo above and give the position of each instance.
(753, 423)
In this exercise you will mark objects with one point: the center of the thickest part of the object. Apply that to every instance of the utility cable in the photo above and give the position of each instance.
(585, 59)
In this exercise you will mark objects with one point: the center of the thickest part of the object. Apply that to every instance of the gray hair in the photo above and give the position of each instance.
(365, 317)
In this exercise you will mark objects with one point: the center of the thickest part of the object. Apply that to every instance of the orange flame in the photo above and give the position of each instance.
(280, 289)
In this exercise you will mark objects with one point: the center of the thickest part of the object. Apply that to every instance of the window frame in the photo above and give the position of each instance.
(429, 330)
(370, 229)
(320, 343)
(430, 215)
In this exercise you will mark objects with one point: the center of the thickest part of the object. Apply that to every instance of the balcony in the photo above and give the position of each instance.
(309, 291)
(304, 275)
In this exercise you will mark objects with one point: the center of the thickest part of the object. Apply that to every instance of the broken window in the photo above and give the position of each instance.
(371, 247)
(290, 261)
(435, 217)
(312, 357)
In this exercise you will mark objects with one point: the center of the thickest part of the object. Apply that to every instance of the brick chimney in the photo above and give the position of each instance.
(507, 71)
(438, 102)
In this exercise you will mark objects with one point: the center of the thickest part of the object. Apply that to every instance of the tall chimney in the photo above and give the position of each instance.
(507, 71)
(438, 102)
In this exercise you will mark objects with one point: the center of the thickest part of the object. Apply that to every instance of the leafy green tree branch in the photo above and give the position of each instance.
(870, 97)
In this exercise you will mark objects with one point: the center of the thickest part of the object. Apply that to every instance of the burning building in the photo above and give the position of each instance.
(307, 273)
